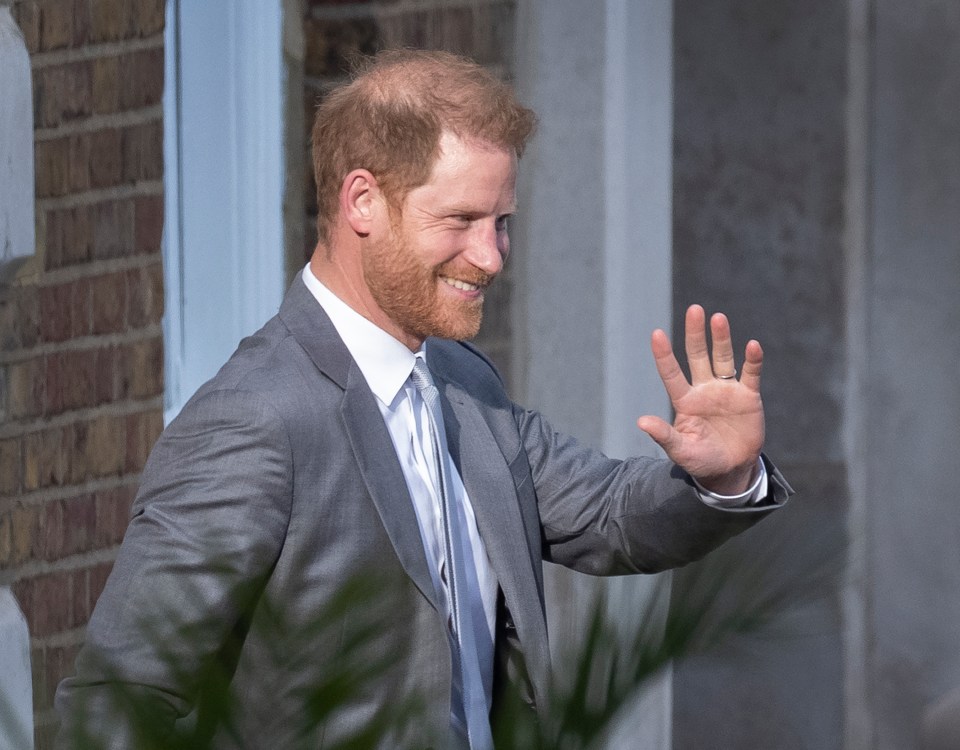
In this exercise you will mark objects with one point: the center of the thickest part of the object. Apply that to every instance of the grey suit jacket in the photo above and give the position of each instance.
(278, 483)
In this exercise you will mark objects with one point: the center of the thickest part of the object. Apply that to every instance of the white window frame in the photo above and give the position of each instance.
(223, 151)
(17, 233)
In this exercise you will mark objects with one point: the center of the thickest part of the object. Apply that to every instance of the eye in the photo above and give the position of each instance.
(502, 222)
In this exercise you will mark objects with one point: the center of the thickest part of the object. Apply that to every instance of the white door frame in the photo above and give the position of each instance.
(223, 150)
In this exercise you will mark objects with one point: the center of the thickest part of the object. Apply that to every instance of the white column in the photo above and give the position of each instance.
(16, 148)
(223, 244)
(593, 246)
(16, 692)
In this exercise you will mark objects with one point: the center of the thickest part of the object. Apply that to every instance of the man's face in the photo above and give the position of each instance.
(446, 244)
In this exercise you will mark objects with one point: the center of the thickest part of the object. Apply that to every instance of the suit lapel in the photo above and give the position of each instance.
(370, 441)
(377, 459)
(493, 494)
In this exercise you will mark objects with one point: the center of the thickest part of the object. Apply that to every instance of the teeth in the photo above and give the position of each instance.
(462, 285)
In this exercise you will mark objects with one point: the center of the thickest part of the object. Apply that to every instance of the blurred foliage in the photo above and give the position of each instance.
(733, 594)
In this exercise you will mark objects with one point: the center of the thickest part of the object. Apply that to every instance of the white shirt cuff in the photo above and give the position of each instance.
(753, 495)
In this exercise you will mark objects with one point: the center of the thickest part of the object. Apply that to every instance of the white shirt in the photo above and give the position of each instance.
(386, 365)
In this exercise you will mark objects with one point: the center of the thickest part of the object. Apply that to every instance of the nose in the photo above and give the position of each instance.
(488, 247)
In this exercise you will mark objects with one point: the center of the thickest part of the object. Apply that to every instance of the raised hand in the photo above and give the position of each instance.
(718, 428)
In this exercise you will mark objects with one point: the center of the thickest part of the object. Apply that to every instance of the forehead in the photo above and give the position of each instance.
(470, 170)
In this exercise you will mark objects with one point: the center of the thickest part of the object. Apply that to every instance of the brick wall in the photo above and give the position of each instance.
(335, 31)
(81, 353)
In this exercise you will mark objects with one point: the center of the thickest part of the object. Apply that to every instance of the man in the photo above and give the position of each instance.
(354, 434)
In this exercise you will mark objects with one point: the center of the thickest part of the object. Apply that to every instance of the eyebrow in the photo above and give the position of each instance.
(461, 210)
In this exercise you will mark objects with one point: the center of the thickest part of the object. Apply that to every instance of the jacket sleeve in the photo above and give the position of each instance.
(608, 517)
(207, 527)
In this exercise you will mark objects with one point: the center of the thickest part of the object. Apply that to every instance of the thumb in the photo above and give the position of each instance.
(660, 431)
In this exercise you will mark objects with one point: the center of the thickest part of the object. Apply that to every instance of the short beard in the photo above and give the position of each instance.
(407, 292)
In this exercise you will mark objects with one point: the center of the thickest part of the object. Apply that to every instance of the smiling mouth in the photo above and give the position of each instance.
(463, 286)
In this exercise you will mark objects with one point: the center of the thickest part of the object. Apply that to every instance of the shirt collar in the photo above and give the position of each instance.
(385, 362)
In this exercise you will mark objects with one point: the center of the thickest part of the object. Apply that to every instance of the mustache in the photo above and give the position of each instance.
(475, 276)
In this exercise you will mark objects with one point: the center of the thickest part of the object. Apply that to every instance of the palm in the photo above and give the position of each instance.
(718, 429)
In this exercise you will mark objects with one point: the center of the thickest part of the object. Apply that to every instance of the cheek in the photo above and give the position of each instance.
(439, 249)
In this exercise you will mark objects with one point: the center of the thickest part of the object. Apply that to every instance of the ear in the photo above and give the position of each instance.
(359, 200)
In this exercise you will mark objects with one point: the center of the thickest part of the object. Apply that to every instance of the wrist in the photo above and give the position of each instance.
(736, 482)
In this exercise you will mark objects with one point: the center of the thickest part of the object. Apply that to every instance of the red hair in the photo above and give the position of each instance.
(389, 119)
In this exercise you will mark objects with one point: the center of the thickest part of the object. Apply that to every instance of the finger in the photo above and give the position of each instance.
(660, 431)
(752, 364)
(723, 363)
(667, 366)
(695, 334)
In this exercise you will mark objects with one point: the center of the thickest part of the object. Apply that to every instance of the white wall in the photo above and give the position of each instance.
(16, 148)
(16, 693)
(593, 249)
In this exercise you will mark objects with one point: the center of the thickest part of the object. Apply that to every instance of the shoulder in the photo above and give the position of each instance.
(464, 364)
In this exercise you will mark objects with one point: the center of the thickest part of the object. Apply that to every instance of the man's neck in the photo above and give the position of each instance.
(328, 267)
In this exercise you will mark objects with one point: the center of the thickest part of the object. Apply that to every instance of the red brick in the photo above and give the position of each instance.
(48, 458)
(25, 385)
(80, 164)
(113, 515)
(52, 167)
(47, 602)
(80, 584)
(105, 446)
(64, 527)
(63, 93)
(69, 236)
(145, 296)
(57, 24)
(104, 158)
(9, 323)
(19, 315)
(83, 379)
(10, 467)
(79, 449)
(32, 452)
(109, 303)
(142, 147)
(79, 525)
(55, 376)
(142, 432)
(110, 20)
(18, 526)
(48, 540)
(141, 81)
(106, 85)
(27, 14)
(81, 308)
(108, 375)
(71, 380)
(147, 368)
(149, 17)
(28, 307)
(81, 22)
(148, 224)
(113, 232)
(65, 310)
(6, 541)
